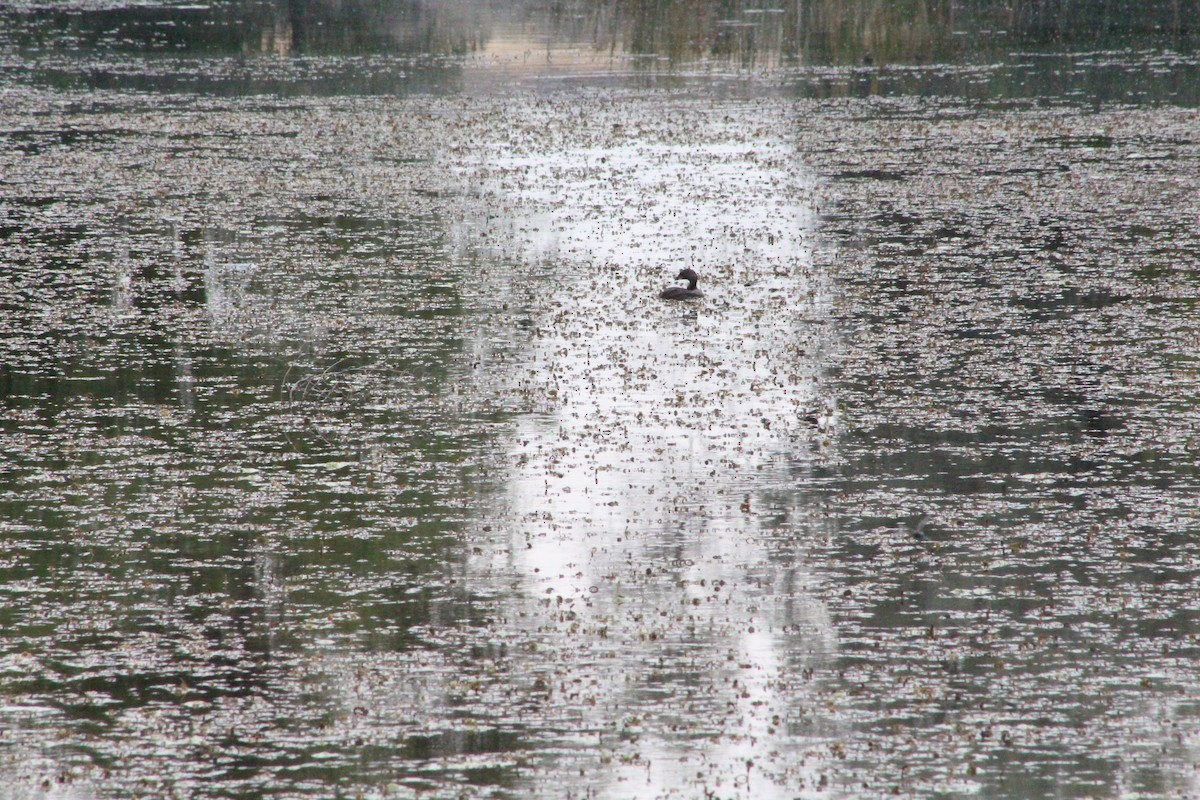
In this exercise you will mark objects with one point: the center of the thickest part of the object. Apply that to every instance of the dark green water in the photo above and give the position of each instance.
(347, 450)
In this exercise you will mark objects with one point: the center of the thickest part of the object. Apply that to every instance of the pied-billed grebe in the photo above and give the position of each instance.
(680, 292)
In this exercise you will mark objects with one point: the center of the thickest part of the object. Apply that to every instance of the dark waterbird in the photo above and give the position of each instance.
(681, 292)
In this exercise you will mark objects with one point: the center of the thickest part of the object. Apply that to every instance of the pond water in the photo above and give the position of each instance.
(348, 451)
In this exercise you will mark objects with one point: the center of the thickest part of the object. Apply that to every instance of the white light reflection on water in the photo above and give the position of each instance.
(629, 550)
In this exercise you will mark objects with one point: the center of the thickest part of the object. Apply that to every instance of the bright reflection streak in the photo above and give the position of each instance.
(629, 529)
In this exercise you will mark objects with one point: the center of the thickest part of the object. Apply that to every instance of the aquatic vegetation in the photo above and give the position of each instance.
(346, 442)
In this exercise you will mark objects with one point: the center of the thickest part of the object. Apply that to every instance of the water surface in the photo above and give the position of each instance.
(348, 450)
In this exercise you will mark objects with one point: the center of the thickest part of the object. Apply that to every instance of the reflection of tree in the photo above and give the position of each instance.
(409, 26)
(866, 30)
(743, 32)
(1061, 20)
(753, 32)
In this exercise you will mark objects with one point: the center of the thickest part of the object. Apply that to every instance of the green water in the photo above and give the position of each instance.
(347, 449)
